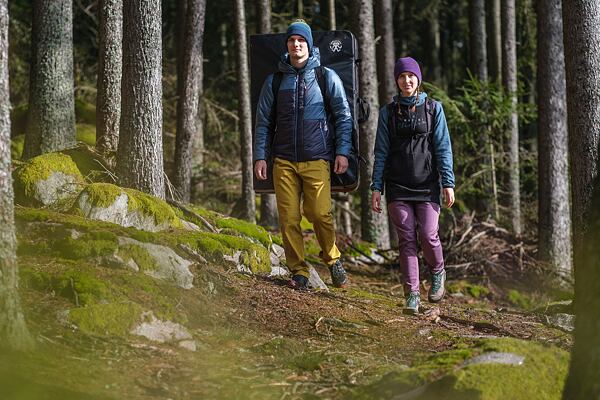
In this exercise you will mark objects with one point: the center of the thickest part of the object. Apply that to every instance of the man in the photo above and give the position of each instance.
(303, 147)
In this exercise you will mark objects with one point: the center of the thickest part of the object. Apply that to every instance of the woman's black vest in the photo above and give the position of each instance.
(411, 172)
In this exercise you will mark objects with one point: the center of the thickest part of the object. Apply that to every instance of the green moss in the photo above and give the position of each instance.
(105, 194)
(140, 256)
(362, 294)
(41, 167)
(361, 247)
(473, 290)
(38, 280)
(91, 244)
(16, 147)
(85, 112)
(209, 215)
(113, 319)
(81, 286)
(251, 230)
(86, 133)
(519, 299)
(309, 361)
(151, 205)
(254, 256)
(483, 381)
(305, 225)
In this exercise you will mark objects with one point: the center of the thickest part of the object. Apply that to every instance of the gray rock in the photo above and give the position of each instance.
(118, 213)
(170, 266)
(164, 332)
(279, 271)
(315, 281)
(496, 358)
(278, 251)
(565, 322)
(58, 186)
(557, 307)
(235, 259)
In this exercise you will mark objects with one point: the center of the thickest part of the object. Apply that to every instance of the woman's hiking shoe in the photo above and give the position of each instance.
(437, 290)
(299, 282)
(412, 303)
(339, 278)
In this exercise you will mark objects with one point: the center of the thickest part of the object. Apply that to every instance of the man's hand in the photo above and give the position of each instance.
(449, 196)
(260, 170)
(341, 164)
(376, 202)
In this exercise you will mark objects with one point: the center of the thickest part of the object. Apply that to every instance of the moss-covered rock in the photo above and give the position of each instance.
(112, 319)
(247, 229)
(126, 207)
(541, 376)
(47, 180)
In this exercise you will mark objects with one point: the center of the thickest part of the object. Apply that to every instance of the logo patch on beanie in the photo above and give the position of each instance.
(335, 46)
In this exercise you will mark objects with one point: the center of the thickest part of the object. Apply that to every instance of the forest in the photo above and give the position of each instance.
(140, 258)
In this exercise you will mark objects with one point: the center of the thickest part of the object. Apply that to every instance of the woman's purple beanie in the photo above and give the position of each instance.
(407, 64)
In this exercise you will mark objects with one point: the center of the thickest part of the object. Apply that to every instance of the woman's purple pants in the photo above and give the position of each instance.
(408, 217)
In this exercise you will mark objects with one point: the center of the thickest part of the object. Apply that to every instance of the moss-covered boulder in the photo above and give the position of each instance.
(157, 261)
(164, 332)
(126, 207)
(541, 375)
(47, 180)
(111, 319)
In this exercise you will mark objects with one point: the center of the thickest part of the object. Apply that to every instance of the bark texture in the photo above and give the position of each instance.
(110, 68)
(477, 39)
(581, 24)
(13, 331)
(268, 203)
(494, 40)
(263, 12)
(332, 22)
(140, 152)
(374, 227)
(189, 97)
(554, 211)
(51, 118)
(509, 78)
(385, 51)
(248, 206)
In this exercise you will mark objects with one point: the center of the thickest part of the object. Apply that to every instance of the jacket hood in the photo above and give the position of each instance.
(314, 60)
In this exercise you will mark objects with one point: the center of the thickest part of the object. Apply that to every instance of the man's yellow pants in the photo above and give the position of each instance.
(291, 179)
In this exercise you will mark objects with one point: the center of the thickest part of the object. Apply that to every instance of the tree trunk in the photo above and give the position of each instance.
(581, 22)
(509, 78)
(189, 96)
(434, 44)
(110, 68)
(385, 51)
(243, 86)
(51, 118)
(374, 227)
(268, 203)
(140, 152)
(494, 40)
(13, 331)
(477, 39)
(554, 222)
(263, 12)
(332, 23)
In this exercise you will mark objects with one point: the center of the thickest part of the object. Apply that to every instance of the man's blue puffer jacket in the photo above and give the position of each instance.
(302, 133)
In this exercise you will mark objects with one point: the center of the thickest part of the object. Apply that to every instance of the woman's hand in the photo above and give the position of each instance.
(376, 201)
(449, 196)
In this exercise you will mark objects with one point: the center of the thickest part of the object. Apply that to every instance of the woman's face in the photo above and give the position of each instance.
(408, 83)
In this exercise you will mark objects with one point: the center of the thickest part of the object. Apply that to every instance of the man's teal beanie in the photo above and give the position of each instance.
(301, 28)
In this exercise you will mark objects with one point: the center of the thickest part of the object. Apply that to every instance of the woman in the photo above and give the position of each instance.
(413, 160)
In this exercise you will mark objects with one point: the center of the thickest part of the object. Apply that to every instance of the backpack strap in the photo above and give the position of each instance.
(391, 108)
(429, 112)
(320, 74)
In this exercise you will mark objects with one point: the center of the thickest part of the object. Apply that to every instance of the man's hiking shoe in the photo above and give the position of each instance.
(412, 303)
(339, 278)
(299, 282)
(437, 290)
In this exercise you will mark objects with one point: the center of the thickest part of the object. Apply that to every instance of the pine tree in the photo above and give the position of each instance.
(51, 118)
(13, 331)
(140, 151)
(110, 68)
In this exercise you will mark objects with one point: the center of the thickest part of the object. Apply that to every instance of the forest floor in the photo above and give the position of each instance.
(259, 339)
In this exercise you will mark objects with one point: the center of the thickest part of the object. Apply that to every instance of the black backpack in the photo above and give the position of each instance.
(339, 51)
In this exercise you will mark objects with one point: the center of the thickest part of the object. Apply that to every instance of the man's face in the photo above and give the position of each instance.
(297, 47)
